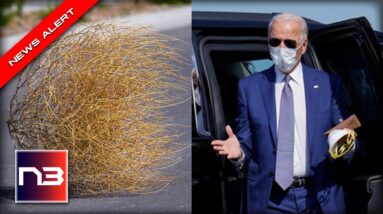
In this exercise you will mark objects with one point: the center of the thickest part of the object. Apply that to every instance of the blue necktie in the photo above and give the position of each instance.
(285, 150)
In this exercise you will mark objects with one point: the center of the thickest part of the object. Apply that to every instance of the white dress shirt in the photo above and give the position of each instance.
(301, 159)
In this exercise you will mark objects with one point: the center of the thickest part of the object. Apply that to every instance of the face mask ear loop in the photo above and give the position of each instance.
(301, 43)
(296, 49)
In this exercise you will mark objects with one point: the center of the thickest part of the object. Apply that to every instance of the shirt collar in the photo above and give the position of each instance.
(296, 74)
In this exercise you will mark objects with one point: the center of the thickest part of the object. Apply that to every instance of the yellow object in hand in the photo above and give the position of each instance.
(341, 141)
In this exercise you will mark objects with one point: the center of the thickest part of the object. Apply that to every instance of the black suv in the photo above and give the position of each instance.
(231, 46)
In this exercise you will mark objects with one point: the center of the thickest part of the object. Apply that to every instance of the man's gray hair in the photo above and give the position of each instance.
(290, 17)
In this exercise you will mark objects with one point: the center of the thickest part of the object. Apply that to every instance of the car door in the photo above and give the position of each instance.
(219, 68)
(351, 49)
(220, 62)
(208, 182)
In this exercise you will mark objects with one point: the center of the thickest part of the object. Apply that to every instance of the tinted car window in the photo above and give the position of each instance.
(230, 67)
(199, 123)
(255, 66)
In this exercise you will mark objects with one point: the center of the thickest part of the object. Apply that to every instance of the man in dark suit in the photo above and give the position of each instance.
(283, 113)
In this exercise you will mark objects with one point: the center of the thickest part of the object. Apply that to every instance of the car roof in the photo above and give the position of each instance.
(203, 19)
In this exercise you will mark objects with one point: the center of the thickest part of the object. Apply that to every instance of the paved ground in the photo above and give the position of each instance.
(176, 198)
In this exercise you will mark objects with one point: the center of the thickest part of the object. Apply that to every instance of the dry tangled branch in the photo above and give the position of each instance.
(100, 93)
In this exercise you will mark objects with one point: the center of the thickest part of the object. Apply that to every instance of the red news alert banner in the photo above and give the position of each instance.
(48, 30)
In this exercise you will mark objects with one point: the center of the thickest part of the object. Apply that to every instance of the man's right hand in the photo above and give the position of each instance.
(229, 147)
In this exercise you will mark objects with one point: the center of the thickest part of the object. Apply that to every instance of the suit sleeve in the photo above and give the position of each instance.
(242, 127)
(340, 108)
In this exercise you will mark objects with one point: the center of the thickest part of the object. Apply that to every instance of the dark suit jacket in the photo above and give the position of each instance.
(256, 130)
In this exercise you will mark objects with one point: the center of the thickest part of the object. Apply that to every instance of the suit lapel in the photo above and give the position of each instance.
(311, 94)
(268, 96)
(312, 89)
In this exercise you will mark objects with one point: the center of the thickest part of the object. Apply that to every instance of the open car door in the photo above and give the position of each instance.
(351, 49)
(209, 182)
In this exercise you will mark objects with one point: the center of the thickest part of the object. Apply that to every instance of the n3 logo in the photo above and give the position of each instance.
(58, 175)
(41, 176)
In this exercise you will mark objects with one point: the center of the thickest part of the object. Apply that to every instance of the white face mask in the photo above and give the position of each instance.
(284, 58)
